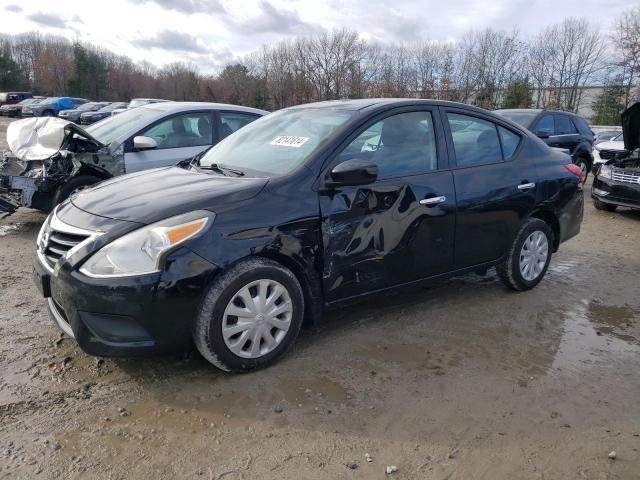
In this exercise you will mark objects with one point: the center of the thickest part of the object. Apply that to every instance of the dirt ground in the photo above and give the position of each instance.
(462, 380)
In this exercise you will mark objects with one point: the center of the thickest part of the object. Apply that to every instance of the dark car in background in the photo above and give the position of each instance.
(138, 102)
(558, 129)
(87, 118)
(73, 115)
(50, 107)
(15, 109)
(308, 207)
(11, 98)
(616, 182)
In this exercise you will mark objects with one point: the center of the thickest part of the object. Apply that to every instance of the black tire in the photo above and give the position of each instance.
(585, 166)
(77, 183)
(509, 270)
(607, 207)
(207, 331)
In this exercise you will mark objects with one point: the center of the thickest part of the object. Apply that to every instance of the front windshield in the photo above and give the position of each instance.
(278, 143)
(88, 106)
(139, 102)
(619, 138)
(521, 118)
(112, 128)
(110, 107)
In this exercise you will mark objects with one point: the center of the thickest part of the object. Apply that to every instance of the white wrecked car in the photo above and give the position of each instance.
(51, 158)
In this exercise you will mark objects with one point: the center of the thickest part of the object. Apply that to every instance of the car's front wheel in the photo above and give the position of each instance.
(250, 316)
(528, 257)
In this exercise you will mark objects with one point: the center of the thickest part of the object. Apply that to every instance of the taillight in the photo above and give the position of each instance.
(577, 171)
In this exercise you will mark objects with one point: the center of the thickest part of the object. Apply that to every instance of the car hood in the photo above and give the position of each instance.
(39, 138)
(611, 145)
(631, 127)
(152, 195)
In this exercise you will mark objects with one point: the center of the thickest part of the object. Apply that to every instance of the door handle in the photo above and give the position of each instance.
(526, 186)
(433, 200)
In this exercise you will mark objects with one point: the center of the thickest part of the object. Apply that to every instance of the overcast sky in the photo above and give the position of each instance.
(214, 32)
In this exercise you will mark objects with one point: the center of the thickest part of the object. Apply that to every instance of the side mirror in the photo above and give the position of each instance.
(144, 143)
(353, 172)
(543, 133)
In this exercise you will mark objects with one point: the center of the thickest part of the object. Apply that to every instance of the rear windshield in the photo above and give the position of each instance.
(278, 143)
(521, 118)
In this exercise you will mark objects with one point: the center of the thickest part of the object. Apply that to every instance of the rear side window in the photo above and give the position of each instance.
(509, 141)
(564, 125)
(475, 141)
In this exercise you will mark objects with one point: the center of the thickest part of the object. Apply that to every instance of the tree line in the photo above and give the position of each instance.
(489, 68)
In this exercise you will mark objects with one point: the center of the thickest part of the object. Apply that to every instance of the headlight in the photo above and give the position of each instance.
(605, 172)
(143, 251)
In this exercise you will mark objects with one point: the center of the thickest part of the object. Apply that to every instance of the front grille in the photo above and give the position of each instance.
(58, 243)
(611, 154)
(625, 176)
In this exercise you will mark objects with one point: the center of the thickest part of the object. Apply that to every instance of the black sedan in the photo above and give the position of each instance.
(87, 118)
(304, 209)
(74, 114)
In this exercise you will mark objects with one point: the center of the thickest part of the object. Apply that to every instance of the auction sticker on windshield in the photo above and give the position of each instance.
(289, 141)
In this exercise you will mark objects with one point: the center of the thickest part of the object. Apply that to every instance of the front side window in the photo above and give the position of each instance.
(475, 141)
(188, 130)
(564, 125)
(400, 145)
(232, 121)
(545, 125)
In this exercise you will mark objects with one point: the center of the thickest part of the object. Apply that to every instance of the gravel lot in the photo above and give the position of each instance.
(457, 381)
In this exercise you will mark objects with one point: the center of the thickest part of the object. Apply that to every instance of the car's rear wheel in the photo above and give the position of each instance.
(583, 163)
(250, 316)
(528, 257)
(604, 206)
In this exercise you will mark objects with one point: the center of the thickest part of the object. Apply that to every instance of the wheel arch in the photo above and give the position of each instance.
(309, 281)
(550, 219)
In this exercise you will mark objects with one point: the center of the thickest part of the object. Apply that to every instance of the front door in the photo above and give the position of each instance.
(401, 227)
(178, 138)
(495, 186)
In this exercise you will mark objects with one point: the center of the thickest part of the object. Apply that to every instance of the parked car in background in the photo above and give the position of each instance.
(605, 135)
(15, 109)
(138, 102)
(50, 107)
(61, 157)
(11, 98)
(296, 212)
(87, 118)
(73, 115)
(609, 150)
(616, 182)
(558, 129)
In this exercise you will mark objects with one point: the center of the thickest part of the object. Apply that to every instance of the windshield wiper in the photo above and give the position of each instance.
(221, 169)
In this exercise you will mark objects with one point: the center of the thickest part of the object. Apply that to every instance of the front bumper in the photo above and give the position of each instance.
(616, 193)
(129, 316)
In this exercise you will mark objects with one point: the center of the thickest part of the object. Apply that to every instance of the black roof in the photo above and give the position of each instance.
(374, 103)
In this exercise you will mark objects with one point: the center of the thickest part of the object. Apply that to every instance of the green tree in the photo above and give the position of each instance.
(609, 105)
(10, 73)
(517, 94)
(90, 74)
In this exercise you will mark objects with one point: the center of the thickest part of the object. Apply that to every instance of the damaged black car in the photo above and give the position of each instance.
(309, 207)
(617, 181)
(51, 157)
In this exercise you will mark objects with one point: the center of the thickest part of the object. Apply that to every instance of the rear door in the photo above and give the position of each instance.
(179, 137)
(495, 186)
(401, 227)
(566, 133)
